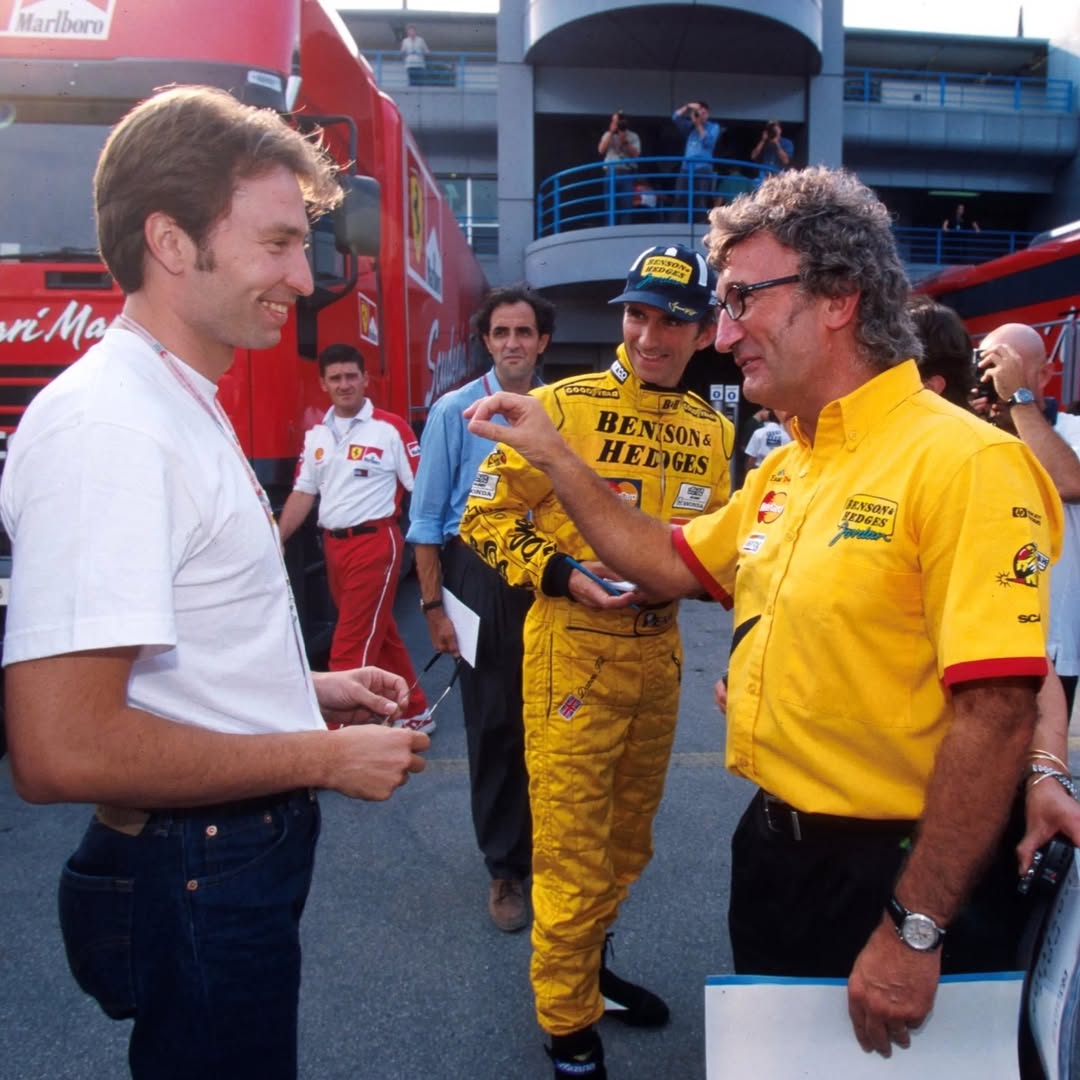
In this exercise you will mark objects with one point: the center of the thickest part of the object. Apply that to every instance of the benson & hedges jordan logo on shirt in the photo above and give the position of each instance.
(72, 19)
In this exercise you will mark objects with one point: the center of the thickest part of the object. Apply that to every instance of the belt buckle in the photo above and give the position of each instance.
(771, 802)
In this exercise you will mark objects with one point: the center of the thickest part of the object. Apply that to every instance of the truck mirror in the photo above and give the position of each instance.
(356, 220)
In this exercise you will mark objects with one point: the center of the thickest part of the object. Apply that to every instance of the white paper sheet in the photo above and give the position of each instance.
(466, 625)
(798, 1029)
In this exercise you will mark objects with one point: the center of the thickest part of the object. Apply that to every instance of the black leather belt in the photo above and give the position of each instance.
(352, 530)
(781, 817)
(241, 807)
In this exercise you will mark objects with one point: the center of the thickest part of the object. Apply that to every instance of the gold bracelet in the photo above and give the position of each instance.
(1045, 755)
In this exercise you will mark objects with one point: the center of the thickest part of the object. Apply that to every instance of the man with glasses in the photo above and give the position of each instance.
(890, 603)
(603, 664)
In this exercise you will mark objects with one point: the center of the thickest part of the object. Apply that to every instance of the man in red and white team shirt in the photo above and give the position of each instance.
(357, 461)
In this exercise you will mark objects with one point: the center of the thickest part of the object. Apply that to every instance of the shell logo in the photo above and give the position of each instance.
(772, 506)
(320, 453)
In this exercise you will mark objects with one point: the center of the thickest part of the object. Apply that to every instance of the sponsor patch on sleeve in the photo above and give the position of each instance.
(413, 448)
(484, 486)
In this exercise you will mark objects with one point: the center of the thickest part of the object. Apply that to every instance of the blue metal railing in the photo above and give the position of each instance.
(459, 70)
(656, 189)
(961, 90)
(947, 248)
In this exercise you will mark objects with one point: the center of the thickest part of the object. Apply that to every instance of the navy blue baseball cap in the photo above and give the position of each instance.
(672, 278)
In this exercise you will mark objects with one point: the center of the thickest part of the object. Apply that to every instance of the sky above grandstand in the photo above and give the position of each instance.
(995, 18)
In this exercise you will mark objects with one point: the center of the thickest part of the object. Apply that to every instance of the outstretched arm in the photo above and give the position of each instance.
(634, 545)
(892, 986)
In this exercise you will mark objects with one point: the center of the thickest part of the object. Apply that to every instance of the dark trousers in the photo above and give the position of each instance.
(807, 907)
(491, 697)
(191, 928)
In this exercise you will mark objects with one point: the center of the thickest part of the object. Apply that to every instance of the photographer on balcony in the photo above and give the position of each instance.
(772, 148)
(620, 146)
(698, 171)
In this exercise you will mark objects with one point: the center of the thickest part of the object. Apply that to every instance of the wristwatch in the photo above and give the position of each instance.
(1023, 396)
(917, 931)
(429, 605)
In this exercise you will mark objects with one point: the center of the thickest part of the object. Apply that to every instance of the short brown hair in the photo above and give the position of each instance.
(182, 153)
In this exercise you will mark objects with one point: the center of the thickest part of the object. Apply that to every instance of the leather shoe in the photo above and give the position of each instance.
(507, 906)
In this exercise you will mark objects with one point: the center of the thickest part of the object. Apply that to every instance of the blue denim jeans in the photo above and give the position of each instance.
(191, 928)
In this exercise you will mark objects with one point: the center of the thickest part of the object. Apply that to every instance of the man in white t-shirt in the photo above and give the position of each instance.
(358, 461)
(1014, 357)
(769, 437)
(414, 53)
(154, 660)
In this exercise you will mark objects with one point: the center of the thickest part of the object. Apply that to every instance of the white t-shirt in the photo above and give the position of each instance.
(1063, 636)
(358, 466)
(767, 438)
(134, 522)
(413, 51)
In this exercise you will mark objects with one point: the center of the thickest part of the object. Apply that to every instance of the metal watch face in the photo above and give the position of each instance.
(1023, 396)
(920, 932)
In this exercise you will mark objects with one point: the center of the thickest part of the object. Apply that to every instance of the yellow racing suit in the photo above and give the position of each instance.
(601, 688)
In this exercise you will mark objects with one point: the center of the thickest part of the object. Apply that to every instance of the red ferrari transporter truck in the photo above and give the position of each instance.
(394, 275)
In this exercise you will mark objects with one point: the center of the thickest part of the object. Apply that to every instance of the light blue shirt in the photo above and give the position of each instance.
(450, 456)
(698, 147)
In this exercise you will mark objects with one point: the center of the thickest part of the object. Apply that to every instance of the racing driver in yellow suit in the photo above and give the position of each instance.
(602, 667)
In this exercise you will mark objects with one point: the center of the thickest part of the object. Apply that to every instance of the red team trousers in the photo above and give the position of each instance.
(363, 572)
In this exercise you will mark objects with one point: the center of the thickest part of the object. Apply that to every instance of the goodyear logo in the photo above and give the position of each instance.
(867, 517)
(665, 268)
(590, 391)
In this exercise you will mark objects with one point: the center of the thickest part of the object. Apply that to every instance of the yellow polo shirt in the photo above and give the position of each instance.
(903, 552)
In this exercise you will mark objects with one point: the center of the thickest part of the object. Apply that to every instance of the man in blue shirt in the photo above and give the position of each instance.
(698, 173)
(515, 325)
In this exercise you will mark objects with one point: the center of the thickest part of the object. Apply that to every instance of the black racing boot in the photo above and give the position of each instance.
(628, 1002)
(578, 1056)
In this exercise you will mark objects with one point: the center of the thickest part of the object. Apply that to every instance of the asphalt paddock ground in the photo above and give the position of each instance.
(404, 975)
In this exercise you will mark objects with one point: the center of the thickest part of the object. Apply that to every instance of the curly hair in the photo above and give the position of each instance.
(182, 152)
(842, 234)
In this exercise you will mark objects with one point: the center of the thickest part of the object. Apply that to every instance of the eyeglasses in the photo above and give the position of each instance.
(735, 305)
(458, 662)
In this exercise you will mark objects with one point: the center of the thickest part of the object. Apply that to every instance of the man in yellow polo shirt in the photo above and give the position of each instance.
(887, 570)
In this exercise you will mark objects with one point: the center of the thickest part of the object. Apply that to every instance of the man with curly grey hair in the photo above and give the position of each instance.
(887, 571)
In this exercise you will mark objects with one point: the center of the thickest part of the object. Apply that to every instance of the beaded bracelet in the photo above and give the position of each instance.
(1044, 772)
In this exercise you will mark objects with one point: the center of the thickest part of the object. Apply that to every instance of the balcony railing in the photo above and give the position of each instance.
(925, 246)
(654, 190)
(454, 70)
(958, 90)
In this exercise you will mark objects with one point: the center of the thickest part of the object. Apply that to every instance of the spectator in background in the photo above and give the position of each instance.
(357, 462)
(1014, 357)
(946, 366)
(515, 324)
(770, 436)
(414, 53)
(620, 146)
(959, 221)
(698, 169)
(772, 149)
